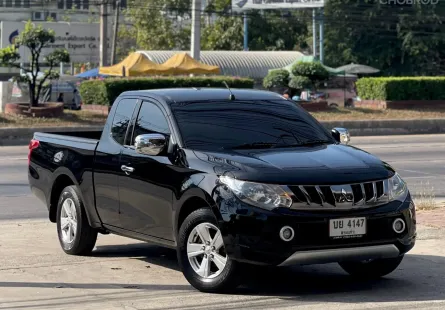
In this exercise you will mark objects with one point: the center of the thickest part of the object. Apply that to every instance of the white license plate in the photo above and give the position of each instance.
(347, 228)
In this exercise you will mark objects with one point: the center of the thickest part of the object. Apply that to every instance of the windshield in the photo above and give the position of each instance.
(213, 125)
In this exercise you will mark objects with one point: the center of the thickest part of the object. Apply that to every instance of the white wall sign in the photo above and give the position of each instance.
(82, 40)
(243, 5)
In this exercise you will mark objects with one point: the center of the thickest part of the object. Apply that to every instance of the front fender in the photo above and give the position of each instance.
(189, 195)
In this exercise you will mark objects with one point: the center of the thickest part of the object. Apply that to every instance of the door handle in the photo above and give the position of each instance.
(127, 169)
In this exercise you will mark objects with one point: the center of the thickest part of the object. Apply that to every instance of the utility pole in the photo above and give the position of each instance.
(116, 27)
(103, 34)
(321, 35)
(246, 33)
(196, 29)
(314, 33)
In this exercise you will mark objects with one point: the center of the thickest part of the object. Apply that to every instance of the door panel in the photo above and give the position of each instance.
(106, 169)
(106, 165)
(146, 193)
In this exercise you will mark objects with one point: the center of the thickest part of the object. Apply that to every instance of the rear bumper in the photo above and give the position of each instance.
(36, 185)
(251, 234)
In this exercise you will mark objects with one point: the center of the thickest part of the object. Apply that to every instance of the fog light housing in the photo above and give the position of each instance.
(398, 226)
(287, 233)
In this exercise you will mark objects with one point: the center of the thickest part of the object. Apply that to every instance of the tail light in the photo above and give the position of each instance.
(33, 144)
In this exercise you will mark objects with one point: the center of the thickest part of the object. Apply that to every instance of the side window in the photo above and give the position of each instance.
(150, 120)
(121, 119)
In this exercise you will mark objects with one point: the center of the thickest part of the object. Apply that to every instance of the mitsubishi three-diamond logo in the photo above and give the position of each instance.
(344, 197)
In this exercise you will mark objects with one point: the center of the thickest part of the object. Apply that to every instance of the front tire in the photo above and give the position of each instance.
(76, 236)
(372, 270)
(201, 254)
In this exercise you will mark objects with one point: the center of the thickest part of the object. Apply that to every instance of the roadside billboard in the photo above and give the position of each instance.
(82, 40)
(244, 5)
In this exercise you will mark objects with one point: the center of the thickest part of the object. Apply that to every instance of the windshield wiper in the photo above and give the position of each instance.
(255, 145)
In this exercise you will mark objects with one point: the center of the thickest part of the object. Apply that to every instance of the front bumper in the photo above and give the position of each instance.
(252, 234)
(342, 254)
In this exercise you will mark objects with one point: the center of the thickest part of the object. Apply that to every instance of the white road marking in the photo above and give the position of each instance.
(425, 177)
(425, 173)
(14, 158)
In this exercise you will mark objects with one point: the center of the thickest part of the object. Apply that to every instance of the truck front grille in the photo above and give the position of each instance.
(347, 196)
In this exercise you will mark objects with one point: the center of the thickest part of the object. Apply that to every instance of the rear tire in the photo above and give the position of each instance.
(221, 274)
(76, 236)
(373, 269)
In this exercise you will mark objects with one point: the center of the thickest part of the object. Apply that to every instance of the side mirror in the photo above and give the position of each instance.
(341, 135)
(150, 144)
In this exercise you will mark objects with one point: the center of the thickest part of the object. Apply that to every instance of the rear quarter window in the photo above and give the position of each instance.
(122, 117)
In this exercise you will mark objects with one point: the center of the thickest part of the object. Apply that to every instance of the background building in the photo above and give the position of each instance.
(53, 10)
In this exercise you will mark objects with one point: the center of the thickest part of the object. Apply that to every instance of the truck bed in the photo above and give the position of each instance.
(82, 139)
(92, 135)
(63, 153)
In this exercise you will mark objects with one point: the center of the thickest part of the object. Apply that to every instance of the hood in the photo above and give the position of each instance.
(313, 165)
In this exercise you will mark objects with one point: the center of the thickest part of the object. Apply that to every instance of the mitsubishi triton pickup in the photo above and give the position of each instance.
(226, 178)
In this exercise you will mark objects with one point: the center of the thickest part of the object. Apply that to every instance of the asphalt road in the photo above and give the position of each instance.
(419, 159)
(127, 274)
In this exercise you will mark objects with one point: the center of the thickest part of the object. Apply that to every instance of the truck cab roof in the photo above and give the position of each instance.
(199, 94)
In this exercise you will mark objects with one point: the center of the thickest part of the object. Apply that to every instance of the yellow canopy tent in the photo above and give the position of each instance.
(134, 65)
(183, 63)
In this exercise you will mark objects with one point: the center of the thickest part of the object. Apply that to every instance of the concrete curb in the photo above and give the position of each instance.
(21, 136)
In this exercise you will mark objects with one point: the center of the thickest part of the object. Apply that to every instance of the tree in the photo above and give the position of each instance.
(300, 82)
(312, 71)
(403, 38)
(269, 30)
(275, 30)
(35, 39)
(225, 34)
(276, 78)
(152, 28)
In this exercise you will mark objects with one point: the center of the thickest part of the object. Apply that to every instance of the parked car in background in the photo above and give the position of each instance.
(226, 178)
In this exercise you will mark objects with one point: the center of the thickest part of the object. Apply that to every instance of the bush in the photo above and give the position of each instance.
(93, 92)
(401, 88)
(276, 78)
(104, 92)
(314, 71)
(300, 82)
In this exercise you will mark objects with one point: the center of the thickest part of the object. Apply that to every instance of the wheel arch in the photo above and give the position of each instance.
(193, 200)
(60, 182)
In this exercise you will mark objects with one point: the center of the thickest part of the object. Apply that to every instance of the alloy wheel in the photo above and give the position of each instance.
(205, 251)
(68, 221)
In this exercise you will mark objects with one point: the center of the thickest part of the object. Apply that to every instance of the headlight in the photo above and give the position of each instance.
(397, 188)
(264, 196)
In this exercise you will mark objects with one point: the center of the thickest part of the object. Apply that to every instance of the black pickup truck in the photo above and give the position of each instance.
(226, 178)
